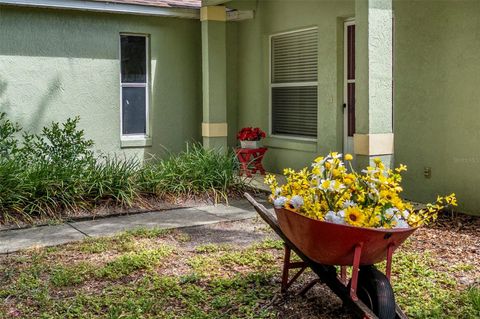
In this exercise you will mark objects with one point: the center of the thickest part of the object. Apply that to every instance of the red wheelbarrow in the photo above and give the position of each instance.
(323, 245)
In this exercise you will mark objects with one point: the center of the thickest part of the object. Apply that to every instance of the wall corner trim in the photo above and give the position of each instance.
(214, 129)
(213, 13)
(373, 144)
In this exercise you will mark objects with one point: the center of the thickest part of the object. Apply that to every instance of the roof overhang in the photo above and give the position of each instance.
(110, 7)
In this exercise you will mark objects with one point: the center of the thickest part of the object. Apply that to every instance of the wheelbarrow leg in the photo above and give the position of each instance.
(287, 265)
(355, 270)
(388, 269)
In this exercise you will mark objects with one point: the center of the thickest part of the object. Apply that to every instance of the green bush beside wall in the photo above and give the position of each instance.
(43, 175)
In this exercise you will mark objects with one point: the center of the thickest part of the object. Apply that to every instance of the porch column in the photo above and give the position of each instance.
(214, 72)
(374, 88)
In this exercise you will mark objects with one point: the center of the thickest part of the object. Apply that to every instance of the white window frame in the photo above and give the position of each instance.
(294, 84)
(146, 85)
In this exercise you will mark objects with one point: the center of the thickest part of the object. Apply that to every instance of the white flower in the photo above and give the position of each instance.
(279, 202)
(329, 216)
(402, 224)
(341, 213)
(326, 185)
(333, 217)
(370, 172)
(390, 212)
(349, 203)
(325, 159)
(372, 186)
(406, 213)
(339, 220)
(296, 201)
(277, 192)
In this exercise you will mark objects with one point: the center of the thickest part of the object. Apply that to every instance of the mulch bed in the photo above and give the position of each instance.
(453, 239)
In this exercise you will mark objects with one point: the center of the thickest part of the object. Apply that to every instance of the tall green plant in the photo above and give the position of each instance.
(195, 171)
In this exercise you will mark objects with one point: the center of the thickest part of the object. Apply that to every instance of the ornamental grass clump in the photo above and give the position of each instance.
(194, 172)
(370, 198)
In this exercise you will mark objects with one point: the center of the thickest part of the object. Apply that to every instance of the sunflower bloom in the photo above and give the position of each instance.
(354, 216)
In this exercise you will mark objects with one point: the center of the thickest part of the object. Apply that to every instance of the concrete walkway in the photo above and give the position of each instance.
(257, 181)
(14, 240)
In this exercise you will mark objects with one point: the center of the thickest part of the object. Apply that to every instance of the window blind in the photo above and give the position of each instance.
(294, 60)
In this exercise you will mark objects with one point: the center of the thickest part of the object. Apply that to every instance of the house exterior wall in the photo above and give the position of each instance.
(58, 64)
(437, 99)
(436, 75)
(253, 73)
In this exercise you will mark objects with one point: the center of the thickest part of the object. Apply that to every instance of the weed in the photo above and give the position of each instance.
(211, 248)
(249, 257)
(130, 262)
(143, 232)
(62, 276)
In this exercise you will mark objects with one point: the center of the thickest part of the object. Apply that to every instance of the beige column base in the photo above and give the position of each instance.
(214, 129)
(373, 144)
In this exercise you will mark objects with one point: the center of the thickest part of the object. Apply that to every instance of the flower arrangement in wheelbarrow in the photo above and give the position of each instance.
(370, 198)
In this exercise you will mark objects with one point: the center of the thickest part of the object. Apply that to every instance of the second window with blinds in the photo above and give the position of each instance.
(294, 84)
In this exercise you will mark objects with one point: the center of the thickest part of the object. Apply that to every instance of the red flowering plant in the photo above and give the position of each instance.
(250, 134)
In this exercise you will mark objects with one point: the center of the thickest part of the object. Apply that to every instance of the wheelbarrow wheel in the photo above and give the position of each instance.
(375, 291)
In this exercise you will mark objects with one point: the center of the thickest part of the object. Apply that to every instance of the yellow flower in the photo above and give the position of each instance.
(401, 168)
(451, 199)
(415, 220)
(328, 186)
(349, 179)
(354, 216)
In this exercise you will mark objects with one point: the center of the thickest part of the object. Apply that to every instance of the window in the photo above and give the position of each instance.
(134, 85)
(294, 83)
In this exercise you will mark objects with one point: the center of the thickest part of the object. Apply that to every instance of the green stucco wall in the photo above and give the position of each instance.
(437, 116)
(436, 75)
(253, 73)
(57, 64)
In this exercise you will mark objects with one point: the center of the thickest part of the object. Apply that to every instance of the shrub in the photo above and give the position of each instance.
(56, 170)
(8, 140)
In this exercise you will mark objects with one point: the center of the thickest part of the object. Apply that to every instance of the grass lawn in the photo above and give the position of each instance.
(227, 270)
